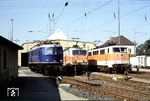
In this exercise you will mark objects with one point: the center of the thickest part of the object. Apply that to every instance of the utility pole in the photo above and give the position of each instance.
(134, 44)
(49, 17)
(11, 30)
(119, 20)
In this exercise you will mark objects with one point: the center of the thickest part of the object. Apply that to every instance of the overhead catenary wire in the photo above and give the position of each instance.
(61, 13)
(110, 21)
(85, 14)
(122, 16)
(135, 10)
(54, 18)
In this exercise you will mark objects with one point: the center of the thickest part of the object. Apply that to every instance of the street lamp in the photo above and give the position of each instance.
(11, 31)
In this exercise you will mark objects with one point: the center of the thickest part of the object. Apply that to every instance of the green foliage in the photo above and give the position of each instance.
(143, 49)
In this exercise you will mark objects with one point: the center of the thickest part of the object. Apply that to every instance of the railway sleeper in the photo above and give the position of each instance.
(133, 84)
(102, 91)
(121, 91)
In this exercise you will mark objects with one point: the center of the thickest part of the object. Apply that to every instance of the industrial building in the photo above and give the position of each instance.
(57, 36)
(8, 60)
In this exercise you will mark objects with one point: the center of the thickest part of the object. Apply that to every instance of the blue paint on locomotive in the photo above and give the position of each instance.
(46, 55)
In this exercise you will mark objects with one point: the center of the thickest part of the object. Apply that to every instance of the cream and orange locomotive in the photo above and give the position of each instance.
(75, 59)
(109, 58)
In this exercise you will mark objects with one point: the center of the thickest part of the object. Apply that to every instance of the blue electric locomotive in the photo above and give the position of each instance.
(47, 59)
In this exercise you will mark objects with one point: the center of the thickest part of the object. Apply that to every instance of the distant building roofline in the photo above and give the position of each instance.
(115, 41)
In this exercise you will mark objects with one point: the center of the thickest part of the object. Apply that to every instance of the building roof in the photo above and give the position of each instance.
(115, 41)
(57, 35)
(7, 42)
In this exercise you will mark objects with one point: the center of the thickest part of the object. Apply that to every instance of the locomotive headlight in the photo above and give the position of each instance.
(61, 60)
(47, 60)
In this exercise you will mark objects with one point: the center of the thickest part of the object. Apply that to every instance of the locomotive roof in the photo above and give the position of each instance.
(108, 47)
(42, 46)
(74, 48)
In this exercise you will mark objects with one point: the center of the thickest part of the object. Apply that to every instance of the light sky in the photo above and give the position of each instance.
(88, 20)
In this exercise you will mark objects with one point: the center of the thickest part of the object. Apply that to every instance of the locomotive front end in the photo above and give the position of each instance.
(120, 59)
(53, 55)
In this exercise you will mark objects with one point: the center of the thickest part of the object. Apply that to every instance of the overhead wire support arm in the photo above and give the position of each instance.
(66, 4)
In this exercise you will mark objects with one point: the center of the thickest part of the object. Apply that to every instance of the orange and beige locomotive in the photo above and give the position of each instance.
(75, 59)
(110, 58)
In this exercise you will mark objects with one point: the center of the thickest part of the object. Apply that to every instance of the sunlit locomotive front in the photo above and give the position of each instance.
(47, 59)
(75, 60)
(111, 58)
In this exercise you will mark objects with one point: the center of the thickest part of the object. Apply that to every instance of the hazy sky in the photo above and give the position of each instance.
(87, 19)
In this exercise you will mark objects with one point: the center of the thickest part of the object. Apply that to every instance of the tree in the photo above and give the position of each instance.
(144, 49)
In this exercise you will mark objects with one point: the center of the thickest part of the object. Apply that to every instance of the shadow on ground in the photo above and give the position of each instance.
(32, 88)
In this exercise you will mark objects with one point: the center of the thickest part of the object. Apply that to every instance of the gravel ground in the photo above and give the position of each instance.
(85, 94)
(111, 84)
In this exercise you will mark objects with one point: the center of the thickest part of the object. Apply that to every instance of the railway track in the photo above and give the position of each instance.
(118, 93)
(138, 86)
(142, 75)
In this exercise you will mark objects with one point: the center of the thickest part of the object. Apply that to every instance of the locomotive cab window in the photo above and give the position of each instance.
(108, 50)
(120, 49)
(95, 52)
(55, 51)
(58, 51)
(129, 50)
(83, 52)
(40, 52)
(89, 53)
(49, 51)
(102, 51)
(123, 49)
(75, 52)
(116, 50)
(79, 52)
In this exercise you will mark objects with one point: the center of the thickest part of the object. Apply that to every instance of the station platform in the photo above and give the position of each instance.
(36, 87)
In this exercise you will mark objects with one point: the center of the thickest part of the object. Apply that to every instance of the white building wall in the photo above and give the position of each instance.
(133, 61)
(141, 60)
(148, 61)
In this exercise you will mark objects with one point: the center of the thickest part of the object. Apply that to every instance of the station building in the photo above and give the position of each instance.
(57, 36)
(8, 60)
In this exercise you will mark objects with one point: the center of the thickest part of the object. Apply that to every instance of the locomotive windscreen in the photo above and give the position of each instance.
(79, 52)
(53, 50)
(49, 51)
(58, 51)
(120, 49)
